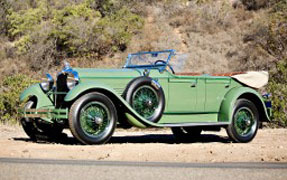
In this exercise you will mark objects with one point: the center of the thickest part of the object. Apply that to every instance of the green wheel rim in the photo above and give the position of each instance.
(245, 124)
(94, 118)
(145, 101)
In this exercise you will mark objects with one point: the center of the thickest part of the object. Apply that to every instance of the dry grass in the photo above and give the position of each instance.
(210, 37)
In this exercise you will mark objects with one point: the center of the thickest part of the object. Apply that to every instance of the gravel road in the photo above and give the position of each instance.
(270, 145)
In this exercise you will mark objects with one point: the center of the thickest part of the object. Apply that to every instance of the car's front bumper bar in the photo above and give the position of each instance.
(45, 113)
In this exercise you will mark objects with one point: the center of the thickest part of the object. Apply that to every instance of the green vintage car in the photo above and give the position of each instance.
(146, 92)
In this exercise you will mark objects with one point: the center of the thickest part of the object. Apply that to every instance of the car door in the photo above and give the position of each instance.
(183, 94)
(216, 88)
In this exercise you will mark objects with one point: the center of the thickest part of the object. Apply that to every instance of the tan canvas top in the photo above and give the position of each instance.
(255, 79)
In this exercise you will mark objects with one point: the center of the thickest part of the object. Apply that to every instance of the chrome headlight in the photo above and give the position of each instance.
(47, 83)
(72, 81)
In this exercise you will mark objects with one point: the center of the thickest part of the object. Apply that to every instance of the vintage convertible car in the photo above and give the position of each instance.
(146, 92)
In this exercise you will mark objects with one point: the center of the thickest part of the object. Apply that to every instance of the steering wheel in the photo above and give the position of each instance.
(164, 62)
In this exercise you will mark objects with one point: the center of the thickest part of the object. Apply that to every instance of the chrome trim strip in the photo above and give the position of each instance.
(195, 124)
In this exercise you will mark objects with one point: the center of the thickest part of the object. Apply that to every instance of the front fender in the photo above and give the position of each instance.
(81, 88)
(227, 105)
(36, 91)
(133, 117)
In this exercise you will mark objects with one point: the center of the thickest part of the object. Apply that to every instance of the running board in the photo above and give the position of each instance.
(195, 124)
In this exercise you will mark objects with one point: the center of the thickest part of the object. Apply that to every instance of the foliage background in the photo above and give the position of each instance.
(209, 35)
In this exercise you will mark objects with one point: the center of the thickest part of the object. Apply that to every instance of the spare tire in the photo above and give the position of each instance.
(146, 97)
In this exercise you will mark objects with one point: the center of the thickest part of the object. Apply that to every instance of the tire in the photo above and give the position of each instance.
(36, 130)
(27, 123)
(149, 105)
(185, 134)
(245, 121)
(93, 118)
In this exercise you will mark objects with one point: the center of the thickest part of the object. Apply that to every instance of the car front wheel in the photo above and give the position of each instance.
(28, 124)
(245, 120)
(92, 118)
(37, 130)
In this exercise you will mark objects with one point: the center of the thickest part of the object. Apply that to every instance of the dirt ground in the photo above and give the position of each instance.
(270, 145)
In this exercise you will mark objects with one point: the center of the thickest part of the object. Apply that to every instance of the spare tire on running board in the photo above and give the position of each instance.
(146, 97)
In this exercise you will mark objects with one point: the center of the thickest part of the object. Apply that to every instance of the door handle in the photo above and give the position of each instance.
(193, 85)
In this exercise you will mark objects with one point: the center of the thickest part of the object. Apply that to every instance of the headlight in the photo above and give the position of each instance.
(47, 83)
(72, 81)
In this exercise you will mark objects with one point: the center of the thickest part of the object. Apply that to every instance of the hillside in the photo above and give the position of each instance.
(210, 36)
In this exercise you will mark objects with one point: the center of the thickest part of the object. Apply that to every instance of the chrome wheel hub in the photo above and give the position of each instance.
(98, 120)
(149, 103)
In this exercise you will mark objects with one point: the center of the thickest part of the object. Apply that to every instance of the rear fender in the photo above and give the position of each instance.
(227, 105)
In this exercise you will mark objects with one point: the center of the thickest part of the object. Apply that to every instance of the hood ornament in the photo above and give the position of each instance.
(66, 65)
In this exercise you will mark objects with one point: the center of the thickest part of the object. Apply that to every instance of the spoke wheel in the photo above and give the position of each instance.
(146, 97)
(245, 120)
(145, 101)
(92, 118)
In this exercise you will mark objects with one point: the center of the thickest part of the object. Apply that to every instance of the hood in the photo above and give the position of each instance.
(92, 72)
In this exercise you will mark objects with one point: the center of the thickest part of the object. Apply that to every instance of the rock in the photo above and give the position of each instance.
(236, 3)
(277, 159)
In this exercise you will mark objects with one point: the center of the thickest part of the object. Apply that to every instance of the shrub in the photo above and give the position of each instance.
(278, 87)
(255, 4)
(277, 47)
(277, 37)
(48, 30)
(86, 32)
(11, 87)
(4, 10)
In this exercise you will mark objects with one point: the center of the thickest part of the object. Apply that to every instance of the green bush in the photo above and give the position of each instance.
(277, 47)
(47, 31)
(255, 4)
(278, 87)
(83, 31)
(11, 87)
(4, 10)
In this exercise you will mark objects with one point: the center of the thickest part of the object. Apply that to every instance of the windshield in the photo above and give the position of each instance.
(149, 59)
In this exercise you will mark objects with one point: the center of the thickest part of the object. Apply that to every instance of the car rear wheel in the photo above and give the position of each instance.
(92, 118)
(245, 121)
(146, 97)
(183, 134)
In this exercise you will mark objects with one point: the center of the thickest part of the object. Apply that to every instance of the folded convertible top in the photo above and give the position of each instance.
(255, 79)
